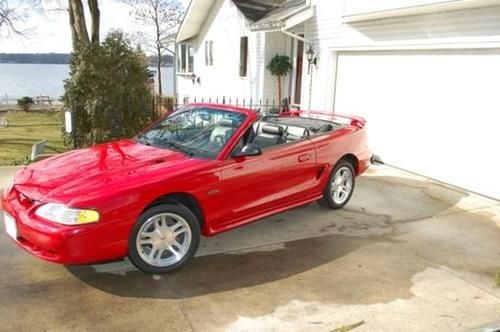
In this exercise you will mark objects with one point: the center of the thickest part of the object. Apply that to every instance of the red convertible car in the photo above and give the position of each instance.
(201, 171)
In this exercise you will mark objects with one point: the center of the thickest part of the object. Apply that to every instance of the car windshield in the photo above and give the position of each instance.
(196, 131)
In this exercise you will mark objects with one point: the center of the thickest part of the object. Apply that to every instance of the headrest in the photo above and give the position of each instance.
(227, 123)
(273, 130)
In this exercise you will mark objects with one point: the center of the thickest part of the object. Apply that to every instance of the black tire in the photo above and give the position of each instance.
(328, 200)
(175, 209)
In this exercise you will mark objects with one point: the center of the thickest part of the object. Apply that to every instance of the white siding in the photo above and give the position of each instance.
(225, 25)
(329, 33)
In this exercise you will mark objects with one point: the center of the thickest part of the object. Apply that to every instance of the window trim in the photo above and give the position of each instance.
(186, 60)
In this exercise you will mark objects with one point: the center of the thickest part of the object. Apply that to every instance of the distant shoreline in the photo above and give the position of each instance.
(59, 59)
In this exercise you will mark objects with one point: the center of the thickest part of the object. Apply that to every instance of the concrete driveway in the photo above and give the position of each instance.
(406, 254)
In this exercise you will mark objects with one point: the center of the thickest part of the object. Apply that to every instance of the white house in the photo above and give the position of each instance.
(221, 54)
(425, 73)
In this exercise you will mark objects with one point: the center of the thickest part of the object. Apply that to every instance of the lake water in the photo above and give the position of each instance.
(17, 80)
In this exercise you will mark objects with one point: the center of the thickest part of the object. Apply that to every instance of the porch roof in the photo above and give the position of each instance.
(288, 15)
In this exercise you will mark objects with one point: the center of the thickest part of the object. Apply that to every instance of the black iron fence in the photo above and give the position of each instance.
(267, 105)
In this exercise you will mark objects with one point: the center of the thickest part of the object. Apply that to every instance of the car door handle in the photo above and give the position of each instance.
(304, 157)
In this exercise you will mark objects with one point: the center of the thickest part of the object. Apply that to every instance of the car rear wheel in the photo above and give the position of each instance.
(164, 238)
(340, 186)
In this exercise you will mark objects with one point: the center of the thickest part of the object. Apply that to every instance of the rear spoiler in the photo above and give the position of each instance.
(352, 120)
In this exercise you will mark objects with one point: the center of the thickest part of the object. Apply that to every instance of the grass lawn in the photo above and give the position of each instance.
(24, 130)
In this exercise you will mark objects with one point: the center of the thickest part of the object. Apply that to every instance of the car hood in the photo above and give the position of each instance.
(96, 170)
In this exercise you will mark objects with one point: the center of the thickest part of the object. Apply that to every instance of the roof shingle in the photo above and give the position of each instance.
(255, 10)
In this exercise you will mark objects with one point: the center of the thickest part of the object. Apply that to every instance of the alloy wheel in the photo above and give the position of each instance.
(342, 184)
(164, 239)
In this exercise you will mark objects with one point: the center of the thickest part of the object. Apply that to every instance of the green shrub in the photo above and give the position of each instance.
(25, 103)
(107, 91)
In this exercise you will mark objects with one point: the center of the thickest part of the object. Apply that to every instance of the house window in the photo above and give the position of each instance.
(243, 56)
(185, 58)
(209, 55)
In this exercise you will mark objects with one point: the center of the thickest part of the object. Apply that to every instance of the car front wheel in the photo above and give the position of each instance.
(340, 186)
(164, 238)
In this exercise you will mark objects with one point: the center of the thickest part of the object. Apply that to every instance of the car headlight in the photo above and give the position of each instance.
(62, 214)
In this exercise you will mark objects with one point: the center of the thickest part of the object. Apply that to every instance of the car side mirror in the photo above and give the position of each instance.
(249, 150)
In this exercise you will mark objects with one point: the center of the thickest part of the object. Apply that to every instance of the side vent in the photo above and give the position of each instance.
(321, 170)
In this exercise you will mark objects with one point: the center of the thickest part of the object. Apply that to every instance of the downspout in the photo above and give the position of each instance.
(290, 34)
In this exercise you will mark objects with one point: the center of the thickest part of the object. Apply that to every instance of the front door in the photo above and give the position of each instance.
(297, 77)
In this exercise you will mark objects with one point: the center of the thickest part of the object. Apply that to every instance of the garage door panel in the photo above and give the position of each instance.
(435, 113)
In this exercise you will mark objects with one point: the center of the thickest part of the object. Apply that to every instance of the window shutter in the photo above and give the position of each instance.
(183, 58)
(207, 60)
(211, 49)
(243, 56)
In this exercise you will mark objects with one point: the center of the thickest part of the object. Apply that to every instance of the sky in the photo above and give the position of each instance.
(49, 32)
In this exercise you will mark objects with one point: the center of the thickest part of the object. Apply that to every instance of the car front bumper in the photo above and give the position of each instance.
(60, 243)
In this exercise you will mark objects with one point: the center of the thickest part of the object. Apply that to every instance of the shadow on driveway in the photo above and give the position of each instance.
(379, 202)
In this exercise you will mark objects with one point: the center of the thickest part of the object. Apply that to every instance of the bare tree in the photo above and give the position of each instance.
(12, 13)
(163, 18)
(78, 22)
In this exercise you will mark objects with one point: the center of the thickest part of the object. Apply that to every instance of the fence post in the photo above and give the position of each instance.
(223, 100)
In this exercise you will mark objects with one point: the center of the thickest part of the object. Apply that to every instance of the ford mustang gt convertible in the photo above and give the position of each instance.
(203, 170)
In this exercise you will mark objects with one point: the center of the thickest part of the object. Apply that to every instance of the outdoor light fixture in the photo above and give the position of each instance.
(311, 58)
(195, 79)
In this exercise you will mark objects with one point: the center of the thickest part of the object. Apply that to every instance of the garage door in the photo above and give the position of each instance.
(436, 113)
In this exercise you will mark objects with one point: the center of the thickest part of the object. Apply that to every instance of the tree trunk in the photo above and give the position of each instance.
(96, 20)
(74, 36)
(279, 94)
(78, 17)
